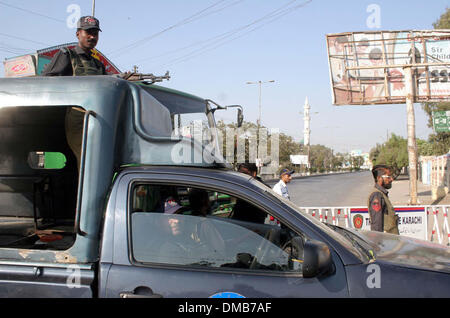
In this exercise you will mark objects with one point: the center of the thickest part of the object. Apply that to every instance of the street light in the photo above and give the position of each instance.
(259, 118)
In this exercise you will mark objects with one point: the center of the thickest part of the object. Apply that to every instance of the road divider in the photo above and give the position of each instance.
(414, 221)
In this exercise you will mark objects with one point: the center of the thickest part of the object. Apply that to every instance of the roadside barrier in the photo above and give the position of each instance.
(446, 228)
(435, 230)
(427, 222)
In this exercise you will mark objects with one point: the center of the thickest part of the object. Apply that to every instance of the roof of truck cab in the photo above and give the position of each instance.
(62, 90)
(169, 90)
(217, 173)
(177, 102)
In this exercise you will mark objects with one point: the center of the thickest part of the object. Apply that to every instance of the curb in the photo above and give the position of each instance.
(312, 175)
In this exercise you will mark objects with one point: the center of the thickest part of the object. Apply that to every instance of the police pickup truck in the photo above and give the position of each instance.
(142, 214)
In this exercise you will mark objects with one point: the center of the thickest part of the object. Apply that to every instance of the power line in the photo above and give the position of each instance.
(7, 51)
(6, 46)
(31, 12)
(222, 39)
(221, 36)
(192, 18)
(24, 39)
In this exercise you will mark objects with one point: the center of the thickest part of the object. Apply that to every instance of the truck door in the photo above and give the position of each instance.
(201, 237)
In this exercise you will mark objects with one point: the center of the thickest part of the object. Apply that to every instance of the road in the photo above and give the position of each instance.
(344, 189)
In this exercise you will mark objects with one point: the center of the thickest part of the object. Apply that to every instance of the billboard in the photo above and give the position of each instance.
(368, 67)
(299, 159)
(33, 64)
(20, 66)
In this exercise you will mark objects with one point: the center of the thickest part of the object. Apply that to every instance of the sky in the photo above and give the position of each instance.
(213, 48)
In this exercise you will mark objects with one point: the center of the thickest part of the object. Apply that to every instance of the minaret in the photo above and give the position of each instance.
(307, 119)
(307, 130)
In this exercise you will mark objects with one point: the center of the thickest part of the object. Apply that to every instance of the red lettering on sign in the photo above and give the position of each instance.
(19, 68)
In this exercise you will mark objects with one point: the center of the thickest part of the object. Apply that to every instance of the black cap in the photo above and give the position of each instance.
(88, 22)
(286, 171)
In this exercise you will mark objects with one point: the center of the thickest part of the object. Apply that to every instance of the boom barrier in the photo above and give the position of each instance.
(426, 222)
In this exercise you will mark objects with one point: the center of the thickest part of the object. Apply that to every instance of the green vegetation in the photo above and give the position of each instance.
(394, 152)
(440, 141)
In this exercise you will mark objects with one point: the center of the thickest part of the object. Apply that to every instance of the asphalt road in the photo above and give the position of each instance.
(346, 189)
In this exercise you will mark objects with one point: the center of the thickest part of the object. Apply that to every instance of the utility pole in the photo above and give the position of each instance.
(259, 117)
(260, 84)
(412, 148)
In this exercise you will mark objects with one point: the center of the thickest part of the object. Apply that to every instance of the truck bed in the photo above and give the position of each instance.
(20, 232)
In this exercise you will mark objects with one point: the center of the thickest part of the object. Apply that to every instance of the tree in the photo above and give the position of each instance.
(356, 162)
(321, 158)
(338, 161)
(441, 141)
(444, 21)
(395, 154)
(287, 145)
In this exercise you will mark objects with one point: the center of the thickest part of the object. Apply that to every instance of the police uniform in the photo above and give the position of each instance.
(381, 211)
(281, 189)
(75, 62)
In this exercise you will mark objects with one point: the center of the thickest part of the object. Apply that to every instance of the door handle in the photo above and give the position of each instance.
(140, 292)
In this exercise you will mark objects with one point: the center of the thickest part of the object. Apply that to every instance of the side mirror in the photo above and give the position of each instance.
(240, 118)
(316, 259)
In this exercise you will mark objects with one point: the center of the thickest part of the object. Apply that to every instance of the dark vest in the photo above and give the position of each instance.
(390, 219)
(82, 66)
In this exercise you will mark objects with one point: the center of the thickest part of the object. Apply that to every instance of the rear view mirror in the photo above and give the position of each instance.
(46, 160)
(240, 118)
(316, 259)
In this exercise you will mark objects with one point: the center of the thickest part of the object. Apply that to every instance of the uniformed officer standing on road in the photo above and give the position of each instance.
(281, 186)
(381, 211)
(77, 62)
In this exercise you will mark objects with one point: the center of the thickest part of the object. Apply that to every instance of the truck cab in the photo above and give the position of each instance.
(51, 215)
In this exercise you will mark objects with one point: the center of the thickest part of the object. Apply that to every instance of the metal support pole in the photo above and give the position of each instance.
(259, 117)
(412, 148)
(93, 8)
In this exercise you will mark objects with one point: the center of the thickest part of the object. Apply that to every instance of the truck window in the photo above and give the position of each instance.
(187, 226)
(38, 179)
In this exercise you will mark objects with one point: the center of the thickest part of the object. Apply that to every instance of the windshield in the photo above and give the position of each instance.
(344, 240)
(357, 241)
(190, 115)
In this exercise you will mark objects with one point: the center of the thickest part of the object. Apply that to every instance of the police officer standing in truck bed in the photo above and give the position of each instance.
(77, 62)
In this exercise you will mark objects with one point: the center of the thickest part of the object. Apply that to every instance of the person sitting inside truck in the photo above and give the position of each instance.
(199, 202)
(243, 210)
(187, 239)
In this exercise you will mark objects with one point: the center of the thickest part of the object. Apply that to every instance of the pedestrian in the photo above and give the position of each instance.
(381, 211)
(281, 186)
(77, 62)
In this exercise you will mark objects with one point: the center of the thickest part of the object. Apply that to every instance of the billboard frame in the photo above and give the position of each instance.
(409, 79)
(351, 59)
